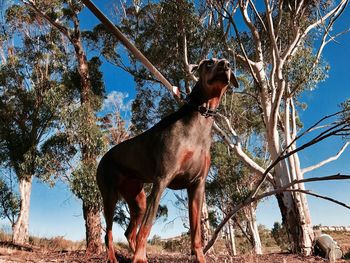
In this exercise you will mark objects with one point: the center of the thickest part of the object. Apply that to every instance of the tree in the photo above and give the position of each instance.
(228, 184)
(85, 81)
(30, 99)
(282, 64)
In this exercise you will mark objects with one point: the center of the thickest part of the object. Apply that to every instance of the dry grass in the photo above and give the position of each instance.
(59, 244)
(58, 249)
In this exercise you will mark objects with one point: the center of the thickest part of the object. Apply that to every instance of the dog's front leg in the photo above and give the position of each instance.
(146, 225)
(195, 200)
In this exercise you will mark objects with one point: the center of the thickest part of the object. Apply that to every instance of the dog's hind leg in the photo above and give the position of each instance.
(109, 202)
(107, 183)
(135, 197)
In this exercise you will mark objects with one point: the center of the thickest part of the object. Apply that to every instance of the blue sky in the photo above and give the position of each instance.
(56, 212)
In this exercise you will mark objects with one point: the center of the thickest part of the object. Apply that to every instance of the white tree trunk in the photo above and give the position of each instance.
(231, 231)
(294, 208)
(21, 226)
(305, 233)
(253, 227)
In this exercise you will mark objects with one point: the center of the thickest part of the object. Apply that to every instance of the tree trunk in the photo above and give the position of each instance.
(21, 226)
(231, 239)
(253, 228)
(93, 229)
(205, 225)
(299, 228)
(294, 209)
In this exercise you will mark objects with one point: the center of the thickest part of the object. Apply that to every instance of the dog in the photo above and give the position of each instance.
(175, 153)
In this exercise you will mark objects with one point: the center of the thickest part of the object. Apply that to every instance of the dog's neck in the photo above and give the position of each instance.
(200, 102)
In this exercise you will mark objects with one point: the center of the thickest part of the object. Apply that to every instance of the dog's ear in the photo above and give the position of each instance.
(233, 80)
(193, 68)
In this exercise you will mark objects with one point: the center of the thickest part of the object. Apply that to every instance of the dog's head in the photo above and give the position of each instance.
(215, 75)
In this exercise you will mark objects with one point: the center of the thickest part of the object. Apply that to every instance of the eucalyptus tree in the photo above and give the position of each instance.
(280, 48)
(31, 96)
(84, 79)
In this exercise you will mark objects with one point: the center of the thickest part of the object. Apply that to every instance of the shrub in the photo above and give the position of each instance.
(279, 233)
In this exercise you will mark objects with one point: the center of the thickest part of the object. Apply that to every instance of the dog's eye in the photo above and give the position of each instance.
(210, 63)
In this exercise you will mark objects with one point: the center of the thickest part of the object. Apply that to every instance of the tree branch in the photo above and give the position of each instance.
(237, 148)
(131, 47)
(336, 10)
(255, 33)
(322, 163)
(251, 199)
(55, 24)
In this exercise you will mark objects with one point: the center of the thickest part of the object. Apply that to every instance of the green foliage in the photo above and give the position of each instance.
(84, 186)
(9, 202)
(266, 237)
(82, 132)
(30, 96)
(71, 79)
(45, 128)
(228, 182)
(155, 240)
(299, 71)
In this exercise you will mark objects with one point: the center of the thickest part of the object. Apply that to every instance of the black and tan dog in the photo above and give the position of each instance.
(175, 153)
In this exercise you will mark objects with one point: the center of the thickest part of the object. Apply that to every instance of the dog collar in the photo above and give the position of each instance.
(204, 111)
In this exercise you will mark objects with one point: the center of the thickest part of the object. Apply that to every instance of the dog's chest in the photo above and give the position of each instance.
(192, 165)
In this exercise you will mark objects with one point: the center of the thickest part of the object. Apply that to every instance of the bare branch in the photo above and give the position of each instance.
(257, 14)
(237, 148)
(250, 63)
(271, 30)
(251, 199)
(132, 48)
(335, 11)
(322, 163)
(255, 33)
(185, 56)
(314, 179)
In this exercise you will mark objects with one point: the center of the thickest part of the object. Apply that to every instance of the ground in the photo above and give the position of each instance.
(11, 255)
(59, 249)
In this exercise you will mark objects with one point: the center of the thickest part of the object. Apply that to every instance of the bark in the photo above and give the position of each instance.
(299, 228)
(21, 226)
(93, 229)
(294, 211)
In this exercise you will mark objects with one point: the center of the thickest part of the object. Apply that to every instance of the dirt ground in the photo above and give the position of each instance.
(10, 255)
